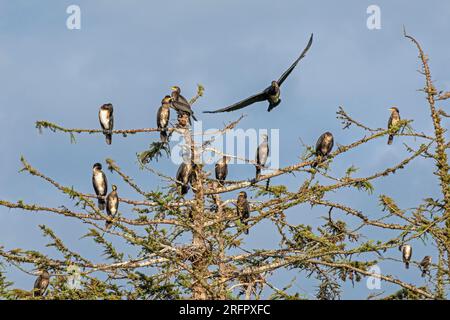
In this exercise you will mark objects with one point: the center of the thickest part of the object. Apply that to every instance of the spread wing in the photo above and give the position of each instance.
(242, 104)
(288, 71)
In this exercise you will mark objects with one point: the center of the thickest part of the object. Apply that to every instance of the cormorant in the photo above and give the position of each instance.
(243, 209)
(180, 103)
(163, 116)
(271, 93)
(184, 176)
(112, 205)
(106, 118)
(100, 184)
(262, 153)
(324, 146)
(41, 283)
(393, 120)
(425, 265)
(222, 169)
(406, 254)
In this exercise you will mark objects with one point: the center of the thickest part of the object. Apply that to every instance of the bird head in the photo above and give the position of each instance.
(243, 194)
(166, 100)
(114, 187)
(176, 89)
(226, 159)
(265, 137)
(106, 106)
(97, 166)
(392, 109)
(274, 84)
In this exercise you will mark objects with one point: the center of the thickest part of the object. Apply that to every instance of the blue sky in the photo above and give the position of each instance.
(130, 53)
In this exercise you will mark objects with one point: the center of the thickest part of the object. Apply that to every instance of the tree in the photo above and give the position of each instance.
(207, 264)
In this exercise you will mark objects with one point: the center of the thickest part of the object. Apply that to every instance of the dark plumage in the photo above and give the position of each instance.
(180, 104)
(222, 169)
(184, 176)
(393, 120)
(41, 283)
(162, 118)
(324, 146)
(112, 205)
(106, 118)
(406, 254)
(243, 209)
(100, 184)
(262, 153)
(271, 93)
(425, 265)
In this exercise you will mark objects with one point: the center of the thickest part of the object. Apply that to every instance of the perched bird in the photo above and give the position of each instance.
(425, 265)
(271, 93)
(100, 184)
(163, 116)
(324, 146)
(222, 169)
(393, 121)
(243, 209)
(41, 283)
(262, 153)
(180, 103)
(184, 176)
(106, 118)
(406, 254)
(112, 205)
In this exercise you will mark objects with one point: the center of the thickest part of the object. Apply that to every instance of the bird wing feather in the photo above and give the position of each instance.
(243, 103)
(292, 67)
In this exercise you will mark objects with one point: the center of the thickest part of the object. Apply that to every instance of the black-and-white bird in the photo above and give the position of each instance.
(112, 205)
(243, 209)
(221, 169)
(324, 146)
(425, 265)
(180, 103)
(271, 93)
(184, 176)
(100, 184)
(393, 121)
(406, 250)
(162, 118)
(41, 283)
(106, 117)
(262, 153)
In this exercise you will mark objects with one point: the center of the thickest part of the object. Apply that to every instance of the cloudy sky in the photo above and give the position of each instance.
(131, 52)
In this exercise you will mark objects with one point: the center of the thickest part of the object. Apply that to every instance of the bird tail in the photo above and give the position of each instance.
(406, 264)
(245, 223)
(101, 204)
(390, 139)
(164, 136)
(424, 272)
(258, 172)
(108, 137)
(108, 225)
(267, 184)
(316, 163)
(273, 105)
(184, 189)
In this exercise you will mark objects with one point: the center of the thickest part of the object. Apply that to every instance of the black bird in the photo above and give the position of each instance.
(222, 169)
(393, 120)
(100, 184)
(425, 265)
(162, 118)
(406, 254)
(262, 153)
(180, 104)
(324, 146)
(184, 176)
(271, 93)
(41, 283)
(106, 118)
(243, 209)
(112, 205)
